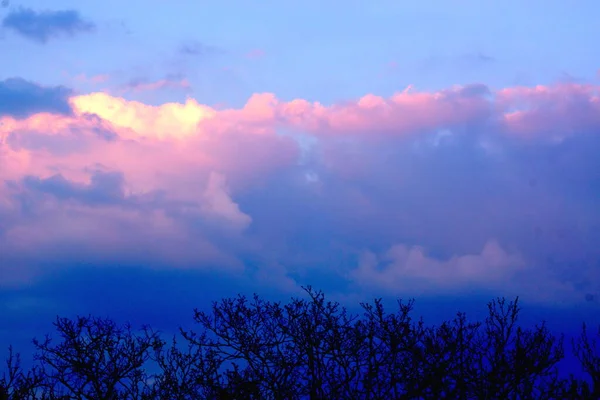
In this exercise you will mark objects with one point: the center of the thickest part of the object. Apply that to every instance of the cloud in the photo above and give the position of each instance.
(21, 98)
(105, 188)
(174, 81)
(196, 48)
(43, 26)
(550, 111)
(218, 203)
(94, 79)
(255, 54)
(477, 57)
(101, 223)
(449, 191)
(411, 270)
(403, 113)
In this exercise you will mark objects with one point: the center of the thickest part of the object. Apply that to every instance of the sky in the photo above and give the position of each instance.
(159, 155)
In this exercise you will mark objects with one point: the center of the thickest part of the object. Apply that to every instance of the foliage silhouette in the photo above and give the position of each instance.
(306, 349)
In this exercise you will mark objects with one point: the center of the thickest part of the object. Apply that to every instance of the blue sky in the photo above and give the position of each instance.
(156, 156)
(319, 50)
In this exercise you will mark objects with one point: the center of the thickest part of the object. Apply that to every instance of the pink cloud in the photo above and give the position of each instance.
(409, 270)
(199, 136)
(135, 119)
(255, 53)
(95, 79)
(160, 144)
(162, 149)
(404, 268)
(155, 143)
(110, 235)
(552, 111)
(403, 113)
(217, 202)
(186, 167)
(517, 109)
(521, 111)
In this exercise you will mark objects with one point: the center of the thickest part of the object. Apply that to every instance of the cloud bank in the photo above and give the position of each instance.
(463, 189)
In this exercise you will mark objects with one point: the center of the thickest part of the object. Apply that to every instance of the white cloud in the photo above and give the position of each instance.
(409, 268)
(217, 202)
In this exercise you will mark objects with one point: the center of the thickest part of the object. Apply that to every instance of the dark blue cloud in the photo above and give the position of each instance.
(45, 25)
(21, 98)
(195, 48)
(104, 188)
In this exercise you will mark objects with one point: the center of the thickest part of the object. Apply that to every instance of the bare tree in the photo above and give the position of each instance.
(189, 371)
(587, 350)
(15, 383)
(279, 351)
(513, 362)
(96, 359)
(309, 348)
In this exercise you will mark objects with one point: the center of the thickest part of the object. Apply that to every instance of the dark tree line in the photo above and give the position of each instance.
(306, 349)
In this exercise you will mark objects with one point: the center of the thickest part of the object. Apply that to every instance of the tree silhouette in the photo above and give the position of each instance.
(15, 383)
(309, 348)
(588, 352)
(95, 359)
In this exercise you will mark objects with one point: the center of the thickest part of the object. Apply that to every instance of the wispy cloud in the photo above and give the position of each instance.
(94, 79)
(478, 57)
(42, 26)
(196, 48)
(255, 54)
(172, 81)
(468, 60)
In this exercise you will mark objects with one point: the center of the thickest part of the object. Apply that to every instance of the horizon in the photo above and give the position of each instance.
(158, 157)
